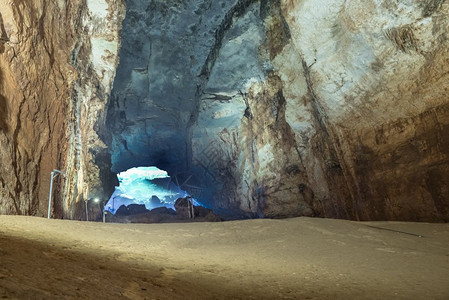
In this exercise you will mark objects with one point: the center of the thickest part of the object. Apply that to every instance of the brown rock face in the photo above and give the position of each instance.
(42, 45)
(401, 170)
(377, 90)
(35, 85)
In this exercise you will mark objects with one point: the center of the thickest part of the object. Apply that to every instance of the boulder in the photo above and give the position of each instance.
(132, 209)
(162, 211)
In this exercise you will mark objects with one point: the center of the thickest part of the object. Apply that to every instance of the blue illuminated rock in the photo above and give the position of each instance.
(142, 186)
(289, 108)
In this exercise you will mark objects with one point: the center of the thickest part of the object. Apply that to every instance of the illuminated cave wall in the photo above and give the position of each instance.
(286, 108)
(57, 63)
(154, 98)
(271, 108)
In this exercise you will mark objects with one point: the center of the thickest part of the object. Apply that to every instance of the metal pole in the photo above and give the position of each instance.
(103, 212)
(49, 195)
(54, 173)
(87, 216)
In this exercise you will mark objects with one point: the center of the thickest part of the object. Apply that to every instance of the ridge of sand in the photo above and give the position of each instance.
(299, 258)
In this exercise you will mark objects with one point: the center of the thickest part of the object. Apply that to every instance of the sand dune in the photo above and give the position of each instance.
(299, 258)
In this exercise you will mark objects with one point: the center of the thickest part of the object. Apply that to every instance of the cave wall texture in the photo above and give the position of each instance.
(270, 108)
(57, 62)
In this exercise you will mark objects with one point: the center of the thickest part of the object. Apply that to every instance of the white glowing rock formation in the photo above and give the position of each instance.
(137, 186)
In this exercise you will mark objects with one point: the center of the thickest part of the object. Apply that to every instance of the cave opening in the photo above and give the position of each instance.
(155, 99)
(180, 101)
(150, 187)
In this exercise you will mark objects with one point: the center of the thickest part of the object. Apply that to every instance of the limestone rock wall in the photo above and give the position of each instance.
(95, 58)
(269, 108)
(362, 93)
(377, 79)
(282, 108)
(242, 145)
(57, 61)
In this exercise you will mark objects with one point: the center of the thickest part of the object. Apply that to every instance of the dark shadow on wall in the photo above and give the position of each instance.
(3, 101)
(3, 114)
(3, 36)
(429, 7)
(3, 105)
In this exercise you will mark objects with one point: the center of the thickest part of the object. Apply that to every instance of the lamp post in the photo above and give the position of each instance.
(96, 200)
(54, 174)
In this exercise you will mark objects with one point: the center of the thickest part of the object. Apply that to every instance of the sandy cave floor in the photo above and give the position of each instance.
(299, 258)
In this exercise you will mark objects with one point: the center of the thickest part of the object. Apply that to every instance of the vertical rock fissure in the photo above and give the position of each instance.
(16, 158)
(73, 166)
(333, 162)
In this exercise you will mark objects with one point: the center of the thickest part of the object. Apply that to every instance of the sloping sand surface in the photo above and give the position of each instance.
(299, 258)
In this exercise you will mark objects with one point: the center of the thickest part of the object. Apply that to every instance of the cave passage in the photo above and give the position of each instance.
(149, 186)
(238, 100)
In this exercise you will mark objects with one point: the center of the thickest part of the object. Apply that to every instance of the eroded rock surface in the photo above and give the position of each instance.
(164, 46)
(269, 108)
(325, 108)
(57, 61)
(377, 82)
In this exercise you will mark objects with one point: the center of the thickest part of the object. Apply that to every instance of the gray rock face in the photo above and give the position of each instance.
(280, 109)
(180, 91)
(164, 46)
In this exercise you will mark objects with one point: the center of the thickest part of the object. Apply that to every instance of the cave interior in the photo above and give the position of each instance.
(256, 108)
